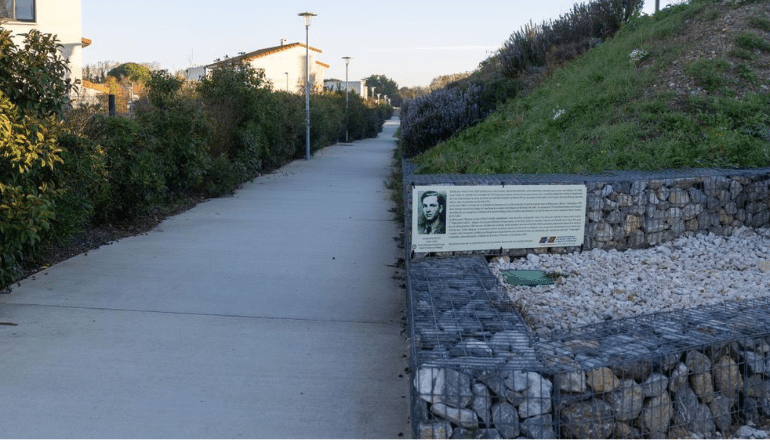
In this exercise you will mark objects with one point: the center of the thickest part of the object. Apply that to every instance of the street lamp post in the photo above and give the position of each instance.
(287, 80)
(347, 96)
(308, 17)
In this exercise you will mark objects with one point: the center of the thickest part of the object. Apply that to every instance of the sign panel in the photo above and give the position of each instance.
(467, 218)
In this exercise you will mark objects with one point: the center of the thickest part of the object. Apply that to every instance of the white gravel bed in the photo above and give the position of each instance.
(599, 285)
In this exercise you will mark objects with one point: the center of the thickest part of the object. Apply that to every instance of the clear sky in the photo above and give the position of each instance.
(411, 42)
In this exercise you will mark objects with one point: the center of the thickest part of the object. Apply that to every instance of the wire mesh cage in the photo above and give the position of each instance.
(478, 370)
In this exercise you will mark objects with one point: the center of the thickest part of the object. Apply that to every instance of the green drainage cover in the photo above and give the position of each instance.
(526, 277)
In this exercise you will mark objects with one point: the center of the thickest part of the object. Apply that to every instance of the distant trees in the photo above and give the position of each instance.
(131, 71)
(137, 72)
(385, 86)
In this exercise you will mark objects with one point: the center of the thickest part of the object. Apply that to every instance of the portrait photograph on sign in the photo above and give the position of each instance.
(465, 218)
(432, 213)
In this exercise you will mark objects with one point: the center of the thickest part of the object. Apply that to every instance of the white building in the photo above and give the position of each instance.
(336, 85)
(284, 66)
(59, 17)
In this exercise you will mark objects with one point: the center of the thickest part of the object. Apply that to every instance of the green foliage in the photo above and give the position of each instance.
(385, 86)
(84, 181)
(132, 72)
(136, 177)
(761, 23)
(181, 142)
(750, 41)
(32, 76)
(28, 154)
(709, 74)
(601, 112)
(32, 95)
(179, 131)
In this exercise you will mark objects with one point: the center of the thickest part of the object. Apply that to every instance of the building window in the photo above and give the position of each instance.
(18, 10)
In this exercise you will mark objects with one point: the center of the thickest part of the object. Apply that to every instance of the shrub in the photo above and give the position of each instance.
(28, 154)
(33, 93)
(430, 119)
(84, 182)
(180, 133)
(135, 171)
(570, 35)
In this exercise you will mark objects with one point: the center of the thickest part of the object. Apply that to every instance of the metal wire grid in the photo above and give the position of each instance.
(458, 307)
(411, 178)
(465, 284)
(659, 334)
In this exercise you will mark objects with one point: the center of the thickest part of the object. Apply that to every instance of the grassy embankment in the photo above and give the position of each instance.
(685, 88)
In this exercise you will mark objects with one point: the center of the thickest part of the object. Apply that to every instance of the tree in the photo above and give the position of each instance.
(407, 93)
(442, 81)
(132, 71)
(385, 86)
(97, 72)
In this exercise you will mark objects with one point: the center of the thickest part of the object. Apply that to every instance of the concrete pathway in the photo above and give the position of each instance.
(273, 313)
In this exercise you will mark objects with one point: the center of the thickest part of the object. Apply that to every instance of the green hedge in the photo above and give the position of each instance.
(183, 141)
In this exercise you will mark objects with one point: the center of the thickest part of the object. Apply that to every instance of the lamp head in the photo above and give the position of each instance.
(308, 17)
(347, 60)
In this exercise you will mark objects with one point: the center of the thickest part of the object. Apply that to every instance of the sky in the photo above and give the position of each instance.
(410, 42)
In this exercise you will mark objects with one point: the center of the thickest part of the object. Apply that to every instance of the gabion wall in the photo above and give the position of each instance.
(640, 209)
(478, 372)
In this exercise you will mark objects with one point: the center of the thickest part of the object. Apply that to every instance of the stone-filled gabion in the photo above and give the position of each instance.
(674, 375)
(626, 210)
(479, 372)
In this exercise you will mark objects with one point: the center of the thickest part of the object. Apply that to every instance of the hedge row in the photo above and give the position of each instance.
(182, 141)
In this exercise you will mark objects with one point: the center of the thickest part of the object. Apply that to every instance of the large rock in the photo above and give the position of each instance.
(694, 415)
(457, 389)
(466, 418)
(626, 402)
(678, 378)
(655, 385)
(727, 377)
(537, 396)
(506, 420)
(538, 427)
(697, 362)
(656, 415)
(703, 385)
(721, 410)
(602, 380)
(482, 402)
(755, 362)
(571, 382)
(588, 419)
(637, 370)
(430, 384)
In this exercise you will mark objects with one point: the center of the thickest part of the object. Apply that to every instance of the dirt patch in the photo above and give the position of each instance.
(711, 35)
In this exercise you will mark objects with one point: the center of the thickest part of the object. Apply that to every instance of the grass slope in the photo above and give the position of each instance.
(687, 87)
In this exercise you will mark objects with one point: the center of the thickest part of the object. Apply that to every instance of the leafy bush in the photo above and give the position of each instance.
(84, 181)
(135, 173)
(566, 37)
(131, 71)
(180, 133)
(32, 76)
(33, 92)
(430, 119)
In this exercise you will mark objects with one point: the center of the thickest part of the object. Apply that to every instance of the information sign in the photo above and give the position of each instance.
(466, 218)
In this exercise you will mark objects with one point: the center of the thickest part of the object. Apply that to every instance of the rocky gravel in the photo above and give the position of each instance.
(600, 285)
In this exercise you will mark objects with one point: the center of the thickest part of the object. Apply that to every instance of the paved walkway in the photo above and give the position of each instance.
(273, 313)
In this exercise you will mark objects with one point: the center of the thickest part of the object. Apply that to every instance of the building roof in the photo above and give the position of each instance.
(323, 64)
(265, 52)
